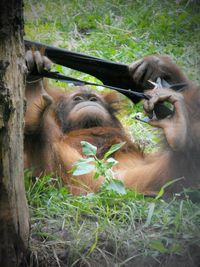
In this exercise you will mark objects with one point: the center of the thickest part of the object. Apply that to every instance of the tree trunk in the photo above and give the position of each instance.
(14, 221)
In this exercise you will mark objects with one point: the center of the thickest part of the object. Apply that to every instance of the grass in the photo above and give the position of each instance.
(108, 229)
(119, 30)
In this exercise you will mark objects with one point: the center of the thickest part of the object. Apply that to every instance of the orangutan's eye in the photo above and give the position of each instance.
(78, 98)
(93, 98)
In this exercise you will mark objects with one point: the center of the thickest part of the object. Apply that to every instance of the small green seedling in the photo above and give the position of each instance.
(101, 167)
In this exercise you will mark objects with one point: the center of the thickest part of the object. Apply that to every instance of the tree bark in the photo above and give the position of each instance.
(14, 219)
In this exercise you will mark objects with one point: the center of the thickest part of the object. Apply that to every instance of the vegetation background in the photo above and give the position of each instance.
(106, 229)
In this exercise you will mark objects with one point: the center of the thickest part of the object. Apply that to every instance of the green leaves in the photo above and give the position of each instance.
(83, 166)
(101, 167)
(113, 149)
(88, 149)
(160, 247)
(115, 185)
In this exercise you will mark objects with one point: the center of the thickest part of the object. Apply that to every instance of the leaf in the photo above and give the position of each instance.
(116, 186)
(80, 164)
(82, 160)
(83, 168)
(101, 168)
(150, 213)
(162, 191)
(88, 149)
(158, 245)
(110, 162)
(93, 247)
(113, 149)
(96, 175)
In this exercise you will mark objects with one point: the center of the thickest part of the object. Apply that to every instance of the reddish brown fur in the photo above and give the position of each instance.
(49, 149)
